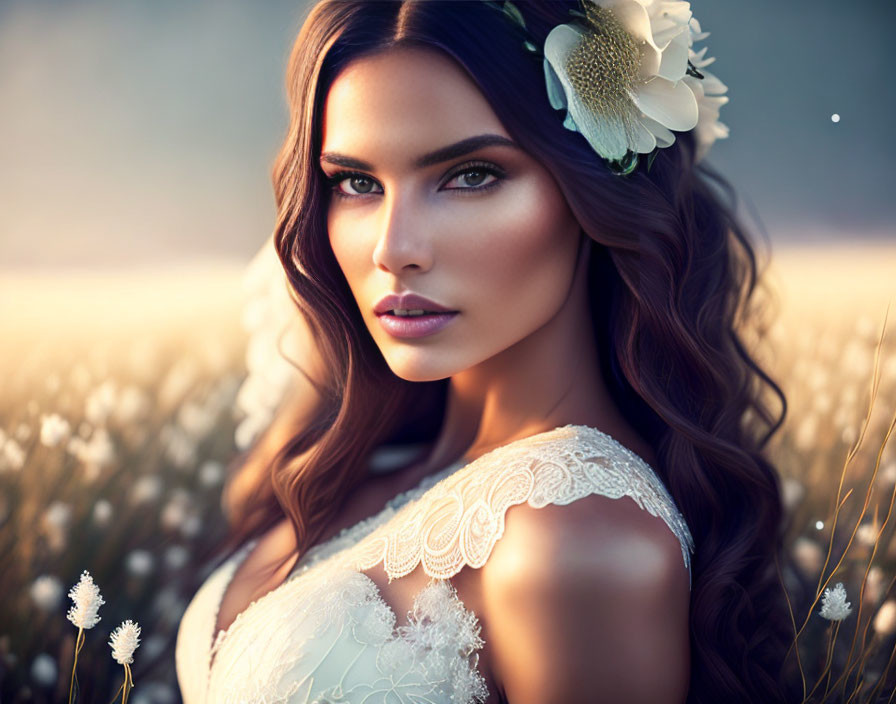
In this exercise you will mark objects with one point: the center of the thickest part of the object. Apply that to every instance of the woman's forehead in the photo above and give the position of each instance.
(407, 101)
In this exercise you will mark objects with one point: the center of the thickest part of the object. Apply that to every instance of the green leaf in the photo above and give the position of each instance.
(624, 166)
(514, 14)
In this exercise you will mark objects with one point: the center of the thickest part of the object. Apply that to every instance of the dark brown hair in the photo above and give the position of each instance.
(672, 281)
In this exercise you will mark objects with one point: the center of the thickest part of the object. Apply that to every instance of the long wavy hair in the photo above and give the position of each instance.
(672, 280)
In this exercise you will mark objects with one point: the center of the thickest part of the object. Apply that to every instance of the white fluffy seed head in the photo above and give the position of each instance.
(86, 596)
(124, 642)
(834, 605)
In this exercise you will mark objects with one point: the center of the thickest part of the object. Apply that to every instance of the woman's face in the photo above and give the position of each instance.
(483, 232)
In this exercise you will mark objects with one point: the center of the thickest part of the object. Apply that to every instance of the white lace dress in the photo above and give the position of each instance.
(327, 635)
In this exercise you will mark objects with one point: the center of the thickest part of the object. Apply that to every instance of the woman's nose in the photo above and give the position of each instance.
(402, 238)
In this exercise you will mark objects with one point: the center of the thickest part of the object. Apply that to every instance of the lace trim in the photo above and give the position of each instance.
(315, 555)
(431, 658)
(460, 519)
(350, 535)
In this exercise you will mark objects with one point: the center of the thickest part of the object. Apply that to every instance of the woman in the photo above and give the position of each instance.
(507, 261)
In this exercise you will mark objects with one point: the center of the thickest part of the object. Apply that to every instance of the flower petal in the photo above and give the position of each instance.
(605, 134)
(672, 22)
(559, 43)
(555, 87)
(664, 137)
(674, 64)
(696, 85)
(696, 34)
(712, 85)
(644, 140)
(671, 104)
(636, 21)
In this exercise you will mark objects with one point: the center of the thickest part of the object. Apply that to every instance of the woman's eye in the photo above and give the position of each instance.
(474, 177)
(362, 185)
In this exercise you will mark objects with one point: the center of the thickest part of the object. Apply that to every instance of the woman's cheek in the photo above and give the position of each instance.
(521, 255)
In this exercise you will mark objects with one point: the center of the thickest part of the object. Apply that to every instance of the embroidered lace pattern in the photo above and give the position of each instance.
(461, 520)
(326, 635)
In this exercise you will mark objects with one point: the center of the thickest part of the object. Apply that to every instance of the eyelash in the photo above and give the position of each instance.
(477, 166)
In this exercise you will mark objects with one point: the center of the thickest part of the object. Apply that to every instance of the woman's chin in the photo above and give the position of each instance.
(419, 369)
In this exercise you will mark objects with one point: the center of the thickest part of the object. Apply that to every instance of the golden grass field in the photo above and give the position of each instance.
(144, 368)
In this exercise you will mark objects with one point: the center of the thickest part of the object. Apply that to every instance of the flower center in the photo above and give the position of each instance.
(605, 67)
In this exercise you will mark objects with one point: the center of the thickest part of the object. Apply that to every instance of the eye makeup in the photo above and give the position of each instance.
(478, 167)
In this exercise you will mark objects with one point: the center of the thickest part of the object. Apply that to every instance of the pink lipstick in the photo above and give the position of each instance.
(415, 325)
(427, 316)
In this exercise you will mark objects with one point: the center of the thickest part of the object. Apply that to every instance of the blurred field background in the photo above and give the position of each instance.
(136, 141)
(145, 367)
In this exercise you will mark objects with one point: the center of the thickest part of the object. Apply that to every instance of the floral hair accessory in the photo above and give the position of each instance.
(627, 76)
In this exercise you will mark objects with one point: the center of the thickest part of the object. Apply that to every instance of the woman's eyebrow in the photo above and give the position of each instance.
(452, 151)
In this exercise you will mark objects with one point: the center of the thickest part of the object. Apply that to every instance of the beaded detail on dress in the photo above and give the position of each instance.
(326, 635)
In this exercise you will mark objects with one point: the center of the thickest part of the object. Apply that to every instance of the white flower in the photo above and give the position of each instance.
(43, 670)
(623, 81)
(102, 512)
(146, 489)
(133, 404)
(268, 313)
(177, 509)
(191, 526)
(125, 641)
(792, 492)
(154, 692)
(54, 429)
(885, 619)
(46, 592)
(874, 584)
(55, 522)
(12, 456)
(211, 473)
(888, 473)
(96, 454)
(101, 403)
(86, 596)
(866, 534)
(179, 446)
(176, 556)
(710, 96)
(834, 605)
(196, 419)
(808, 555)
(23, 432)
(139, 562)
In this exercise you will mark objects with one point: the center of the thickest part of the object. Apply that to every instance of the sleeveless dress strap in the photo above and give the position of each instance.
(458, 521)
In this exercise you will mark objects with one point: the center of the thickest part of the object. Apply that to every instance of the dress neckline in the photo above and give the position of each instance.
(424, 484)
(219, 635)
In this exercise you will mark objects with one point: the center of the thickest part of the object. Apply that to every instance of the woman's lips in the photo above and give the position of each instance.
(415, 326)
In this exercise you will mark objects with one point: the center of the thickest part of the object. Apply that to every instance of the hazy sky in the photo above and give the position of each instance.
(140, 132)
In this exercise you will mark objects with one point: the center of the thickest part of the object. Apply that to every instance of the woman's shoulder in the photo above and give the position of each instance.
(593, 507)
(597, 534)
(587, 602)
